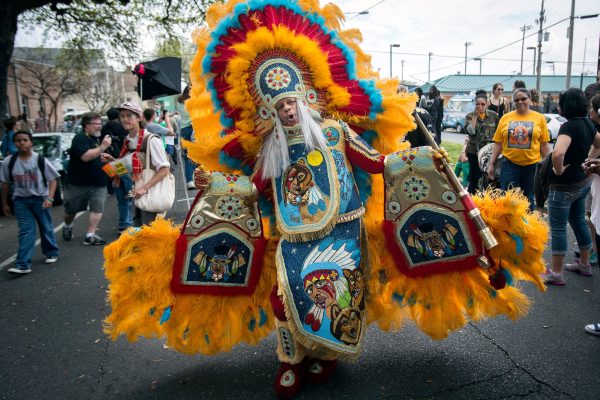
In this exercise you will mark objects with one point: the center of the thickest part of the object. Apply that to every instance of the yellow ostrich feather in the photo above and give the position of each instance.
(439, 304)
(139, 267)
(139, 263)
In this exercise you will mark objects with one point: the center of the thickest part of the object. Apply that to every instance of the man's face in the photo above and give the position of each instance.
(93, 127)
(287, 111)
(128, 119)
(23, 143)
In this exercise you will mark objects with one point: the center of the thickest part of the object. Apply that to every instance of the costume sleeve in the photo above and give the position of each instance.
(361, 154)
(263, 186)
(261, 183)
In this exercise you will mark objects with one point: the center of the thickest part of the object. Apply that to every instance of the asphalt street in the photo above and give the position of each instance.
(52, 345)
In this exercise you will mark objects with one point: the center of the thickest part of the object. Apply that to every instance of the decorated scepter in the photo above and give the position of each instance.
(484, 231)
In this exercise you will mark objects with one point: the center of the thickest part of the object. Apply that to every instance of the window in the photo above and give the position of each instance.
(25, 105)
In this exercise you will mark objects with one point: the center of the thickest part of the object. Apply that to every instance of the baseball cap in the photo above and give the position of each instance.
(131, 106)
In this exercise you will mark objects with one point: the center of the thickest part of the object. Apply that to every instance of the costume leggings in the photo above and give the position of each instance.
(288, 349)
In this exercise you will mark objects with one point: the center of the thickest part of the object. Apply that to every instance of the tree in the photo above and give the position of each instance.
(52, 79)
(113, 25)
(177, 47)
(99, 91)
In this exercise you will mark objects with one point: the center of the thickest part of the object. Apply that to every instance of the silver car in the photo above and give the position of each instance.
(55, 147)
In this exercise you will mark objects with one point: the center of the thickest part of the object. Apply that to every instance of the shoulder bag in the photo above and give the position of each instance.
(161, 196)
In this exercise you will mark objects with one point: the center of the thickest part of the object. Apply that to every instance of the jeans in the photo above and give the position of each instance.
(186, 133)
(28, 211)
(125, 203)
(563, 207)
(474, 172)
(517, 176)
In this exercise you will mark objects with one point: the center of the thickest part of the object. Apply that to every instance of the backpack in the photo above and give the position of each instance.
(41, 162)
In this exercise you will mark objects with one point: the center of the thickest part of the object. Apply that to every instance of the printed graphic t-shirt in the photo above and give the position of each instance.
(28, 180)
(521, 136)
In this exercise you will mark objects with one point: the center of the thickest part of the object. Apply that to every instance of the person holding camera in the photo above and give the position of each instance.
(86, 181)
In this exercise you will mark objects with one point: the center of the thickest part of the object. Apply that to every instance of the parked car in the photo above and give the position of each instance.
(55, 147)
(456, 111)
(554, 121)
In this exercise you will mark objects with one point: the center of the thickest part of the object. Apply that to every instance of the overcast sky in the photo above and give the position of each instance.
(443, 27)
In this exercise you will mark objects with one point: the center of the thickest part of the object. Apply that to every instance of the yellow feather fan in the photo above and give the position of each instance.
(139, 268)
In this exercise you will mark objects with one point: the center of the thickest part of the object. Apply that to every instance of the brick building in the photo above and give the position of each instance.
(30, 66)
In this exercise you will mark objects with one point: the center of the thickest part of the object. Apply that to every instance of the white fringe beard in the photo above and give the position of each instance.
(275, 158)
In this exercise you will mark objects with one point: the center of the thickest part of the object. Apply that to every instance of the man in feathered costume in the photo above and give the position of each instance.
(302, 224)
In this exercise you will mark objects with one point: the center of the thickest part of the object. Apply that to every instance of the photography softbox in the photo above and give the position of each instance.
(161, 77)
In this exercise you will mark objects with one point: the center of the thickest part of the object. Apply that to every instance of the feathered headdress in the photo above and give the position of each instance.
(253, 53)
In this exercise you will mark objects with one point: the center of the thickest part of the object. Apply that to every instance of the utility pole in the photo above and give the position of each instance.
(429, 68)
(467, 44)
(583, 66)
(402, 72)
(392, 46)
(524, 29)
(539, 52)
(570, 54)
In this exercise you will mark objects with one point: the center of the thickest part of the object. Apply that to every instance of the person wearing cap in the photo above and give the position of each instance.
(141, 144)
(86, 181)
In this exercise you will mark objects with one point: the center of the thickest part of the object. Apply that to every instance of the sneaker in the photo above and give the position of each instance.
(593, 329)
(552, 278)
(585, 270)
(16, 270)
(190, 185)
(593, 258)
(94, 240)
(67, 233)
(50, 259)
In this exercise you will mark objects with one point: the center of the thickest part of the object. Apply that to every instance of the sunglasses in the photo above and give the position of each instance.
(500, 89)
(521, 99)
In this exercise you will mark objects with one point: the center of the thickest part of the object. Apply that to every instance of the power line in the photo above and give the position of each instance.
(367, 9)
(493, 51)
(463, 57)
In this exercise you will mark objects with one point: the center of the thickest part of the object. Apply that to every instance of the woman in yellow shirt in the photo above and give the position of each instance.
(523, 139)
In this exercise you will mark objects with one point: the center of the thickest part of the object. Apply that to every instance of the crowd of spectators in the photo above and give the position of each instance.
(30, 181)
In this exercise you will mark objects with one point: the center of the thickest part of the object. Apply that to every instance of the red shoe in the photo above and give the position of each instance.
(289, 381)
(319, 371)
